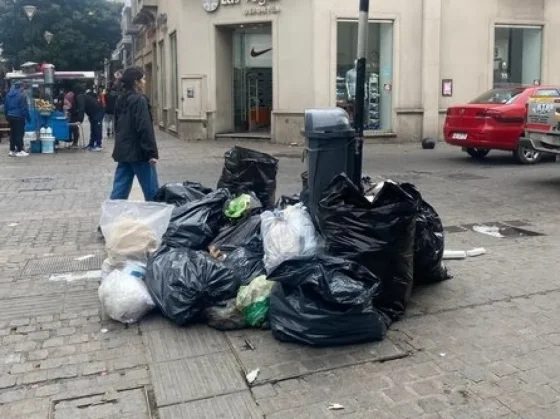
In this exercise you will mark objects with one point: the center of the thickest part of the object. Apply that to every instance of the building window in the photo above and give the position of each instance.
(174, 73)
(162, 84)
(379, 73)
(517, 55)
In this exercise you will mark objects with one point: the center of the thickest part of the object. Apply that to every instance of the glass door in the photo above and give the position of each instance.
(252, 85)
(240, 82)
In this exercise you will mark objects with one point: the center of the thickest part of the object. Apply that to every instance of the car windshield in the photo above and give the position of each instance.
(499, 96)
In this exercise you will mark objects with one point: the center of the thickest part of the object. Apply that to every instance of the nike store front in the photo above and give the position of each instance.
(250, 68)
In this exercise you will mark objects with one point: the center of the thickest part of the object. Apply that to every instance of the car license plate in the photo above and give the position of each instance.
(459, 136)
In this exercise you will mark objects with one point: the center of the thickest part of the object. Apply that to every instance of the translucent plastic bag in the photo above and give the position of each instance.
(225, 316)
(253, 301)
(133, 230)
(287, 234)
(123, 295)
(109, 265)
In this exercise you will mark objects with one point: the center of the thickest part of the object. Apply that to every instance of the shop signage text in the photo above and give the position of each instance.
(262, 7)
(253, 7)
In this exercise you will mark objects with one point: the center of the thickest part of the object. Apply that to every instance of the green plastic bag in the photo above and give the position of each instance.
(238, 207)
(253, 301)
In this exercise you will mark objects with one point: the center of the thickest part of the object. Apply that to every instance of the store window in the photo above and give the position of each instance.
(517, 55)
(174, 75)
(379, 73)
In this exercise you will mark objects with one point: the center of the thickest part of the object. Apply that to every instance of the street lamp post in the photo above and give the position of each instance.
(48, 37)
(29, 12)
(359, 104)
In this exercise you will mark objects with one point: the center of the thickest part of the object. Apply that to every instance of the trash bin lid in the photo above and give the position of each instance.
(328, 121)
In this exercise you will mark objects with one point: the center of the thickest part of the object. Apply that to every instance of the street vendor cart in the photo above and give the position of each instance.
(45, 118)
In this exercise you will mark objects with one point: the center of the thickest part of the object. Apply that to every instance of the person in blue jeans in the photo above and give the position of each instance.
(135, 151)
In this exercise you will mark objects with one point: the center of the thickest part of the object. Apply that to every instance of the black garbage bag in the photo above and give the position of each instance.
(304, 194)
(242, 247)
(287, 201)
(250, 171)
(195, 224)
(378, 235)
(183, 282)
(429, 242)
(247, 262)
(181, 193)
(245, 233)
(325, 301)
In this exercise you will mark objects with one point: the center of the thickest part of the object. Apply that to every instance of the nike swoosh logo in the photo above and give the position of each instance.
(259, 53)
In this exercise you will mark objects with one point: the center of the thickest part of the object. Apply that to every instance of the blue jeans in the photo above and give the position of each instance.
(96, 133)
(124, 176)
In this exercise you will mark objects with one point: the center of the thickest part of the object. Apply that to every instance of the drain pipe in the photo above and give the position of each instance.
(359, 103)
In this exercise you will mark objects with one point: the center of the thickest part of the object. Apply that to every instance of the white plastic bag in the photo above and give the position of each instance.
(287, 234)
(123, 295)
(109, 265)
(133, 230)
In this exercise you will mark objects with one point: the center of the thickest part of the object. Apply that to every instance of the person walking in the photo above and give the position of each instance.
(16, 110)
(110, 105)
(135, 151)
(89, 105)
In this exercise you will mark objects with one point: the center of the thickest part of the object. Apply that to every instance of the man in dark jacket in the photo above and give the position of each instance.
(90, 106)
(16, 110)
(110, 106)
(135, 151)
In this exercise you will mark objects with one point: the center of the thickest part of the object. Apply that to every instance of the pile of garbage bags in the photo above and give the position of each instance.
(234, 257)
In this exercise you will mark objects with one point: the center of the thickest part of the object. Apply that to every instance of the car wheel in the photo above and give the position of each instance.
(525, 155)
(478, 153)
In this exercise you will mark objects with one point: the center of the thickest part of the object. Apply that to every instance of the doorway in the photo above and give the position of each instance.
(252, 78)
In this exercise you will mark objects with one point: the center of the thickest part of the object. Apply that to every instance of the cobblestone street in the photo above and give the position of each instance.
(483, 345)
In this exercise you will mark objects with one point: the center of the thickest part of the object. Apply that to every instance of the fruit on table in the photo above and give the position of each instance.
(43, 105)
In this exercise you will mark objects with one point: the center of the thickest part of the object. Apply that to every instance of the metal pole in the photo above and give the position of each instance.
(359, 104)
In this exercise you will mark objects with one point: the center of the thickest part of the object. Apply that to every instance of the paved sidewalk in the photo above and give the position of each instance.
(484, 345)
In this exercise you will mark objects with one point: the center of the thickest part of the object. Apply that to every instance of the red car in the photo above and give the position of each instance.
(494, 121)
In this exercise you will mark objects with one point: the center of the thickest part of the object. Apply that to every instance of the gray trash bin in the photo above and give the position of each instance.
(330, 143)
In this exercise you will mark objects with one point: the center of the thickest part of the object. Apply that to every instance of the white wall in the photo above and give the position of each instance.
(306, 33)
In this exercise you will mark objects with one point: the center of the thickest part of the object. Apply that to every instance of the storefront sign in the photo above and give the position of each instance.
(253, 7)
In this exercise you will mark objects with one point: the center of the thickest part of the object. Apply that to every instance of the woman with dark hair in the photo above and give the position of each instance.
(135, 151)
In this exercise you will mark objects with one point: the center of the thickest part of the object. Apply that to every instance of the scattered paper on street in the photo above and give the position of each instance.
(75, 276)
(252, 376)
(82, 258)
(489, 231)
